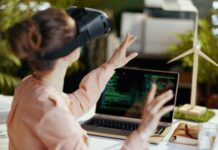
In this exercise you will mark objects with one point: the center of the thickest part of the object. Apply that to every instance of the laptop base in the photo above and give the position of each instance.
(120, 133)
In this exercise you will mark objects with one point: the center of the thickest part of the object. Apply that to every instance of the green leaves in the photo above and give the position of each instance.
(9, 66)
(12, 11)
(209, 45)
(7, 83)
(75, 67)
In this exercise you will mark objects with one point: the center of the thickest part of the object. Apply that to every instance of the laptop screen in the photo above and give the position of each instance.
(126, 92)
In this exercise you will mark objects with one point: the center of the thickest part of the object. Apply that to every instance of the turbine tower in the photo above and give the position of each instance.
(196, 51)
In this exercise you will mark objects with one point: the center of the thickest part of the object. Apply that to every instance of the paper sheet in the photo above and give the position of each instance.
(3, 137)
(5, 105)
(5, 102)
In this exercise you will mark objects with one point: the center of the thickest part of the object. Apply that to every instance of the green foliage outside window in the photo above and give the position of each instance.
(9, 64)
(12, 11)
(207, 72)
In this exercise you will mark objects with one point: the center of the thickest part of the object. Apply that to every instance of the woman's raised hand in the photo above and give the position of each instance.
(153, 111)
(119, 57)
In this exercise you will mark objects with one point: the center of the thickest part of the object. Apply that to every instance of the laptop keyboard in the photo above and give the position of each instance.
(115, 124)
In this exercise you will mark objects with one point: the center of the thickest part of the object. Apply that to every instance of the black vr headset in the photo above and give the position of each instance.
(91, 24)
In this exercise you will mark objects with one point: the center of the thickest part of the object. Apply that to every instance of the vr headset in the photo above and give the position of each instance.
(91, 24)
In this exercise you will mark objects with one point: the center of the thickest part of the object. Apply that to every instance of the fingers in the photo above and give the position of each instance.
(154, 110)
(131, 56)
(119, 57)
(124, 41)
(165, 94)
(161, 100)
(165, 110)
(151, 93)
(129, 39)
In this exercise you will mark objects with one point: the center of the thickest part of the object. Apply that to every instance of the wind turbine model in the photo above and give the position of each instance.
(196, 51)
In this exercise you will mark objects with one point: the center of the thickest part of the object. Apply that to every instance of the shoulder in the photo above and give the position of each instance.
(49, 98)
(35, 96)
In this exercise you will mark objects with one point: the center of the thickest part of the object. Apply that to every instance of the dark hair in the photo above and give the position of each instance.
(46, 31)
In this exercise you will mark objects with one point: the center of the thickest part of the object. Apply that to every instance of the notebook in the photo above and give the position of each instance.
(185, 134)
(119, 109)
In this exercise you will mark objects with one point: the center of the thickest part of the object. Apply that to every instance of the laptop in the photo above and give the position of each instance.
(119, 109)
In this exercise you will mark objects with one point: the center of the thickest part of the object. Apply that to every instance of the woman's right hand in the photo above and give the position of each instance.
(153, 111)
(119, 57)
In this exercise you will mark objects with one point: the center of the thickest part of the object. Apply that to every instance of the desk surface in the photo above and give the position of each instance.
(102, 143)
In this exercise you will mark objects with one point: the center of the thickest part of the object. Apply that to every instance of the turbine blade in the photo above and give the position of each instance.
(188, 52)
(203, 55)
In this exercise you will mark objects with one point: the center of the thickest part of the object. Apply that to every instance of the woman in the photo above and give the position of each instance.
(42, 116)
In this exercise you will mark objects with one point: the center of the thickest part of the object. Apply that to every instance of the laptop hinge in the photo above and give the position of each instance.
(166, 124)
(117, 118)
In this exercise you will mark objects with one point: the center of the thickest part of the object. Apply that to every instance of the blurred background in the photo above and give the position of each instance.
(162, 34)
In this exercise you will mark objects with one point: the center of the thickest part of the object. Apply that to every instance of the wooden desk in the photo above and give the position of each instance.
(102, 143)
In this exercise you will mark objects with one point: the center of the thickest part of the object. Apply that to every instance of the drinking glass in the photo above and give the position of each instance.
(207, 136)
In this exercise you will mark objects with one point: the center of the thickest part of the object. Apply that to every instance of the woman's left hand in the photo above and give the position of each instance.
(119, 58)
